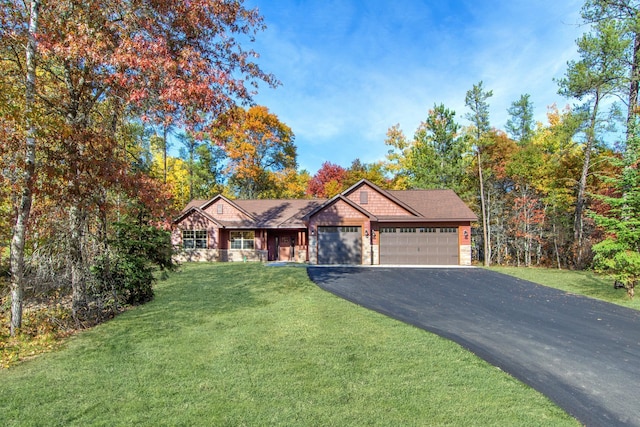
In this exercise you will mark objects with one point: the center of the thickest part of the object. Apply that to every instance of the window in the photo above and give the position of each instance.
(194, 239)
(338, 229)
(428, 230)
(407, 230)
(349, 229)
(449, 230)
(242, 239)
(364, 197)
(220, 207)
(387, 229)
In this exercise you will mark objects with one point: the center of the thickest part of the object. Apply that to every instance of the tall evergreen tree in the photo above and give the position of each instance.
(626, 14)
(618, 255)
(438, 154)
(476, 101)
(597, 75)
(520, 125)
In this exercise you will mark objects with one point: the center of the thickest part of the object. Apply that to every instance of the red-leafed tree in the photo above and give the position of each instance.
(99, 64)
(328, 181)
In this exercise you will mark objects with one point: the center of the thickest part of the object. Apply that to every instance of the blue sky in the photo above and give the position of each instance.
(350, 69)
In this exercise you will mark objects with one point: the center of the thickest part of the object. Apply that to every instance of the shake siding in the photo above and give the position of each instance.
(229, 212)
(339, 213)
(377, 204)
(196, 221)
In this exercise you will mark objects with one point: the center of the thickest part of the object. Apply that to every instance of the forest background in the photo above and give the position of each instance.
(97, 96)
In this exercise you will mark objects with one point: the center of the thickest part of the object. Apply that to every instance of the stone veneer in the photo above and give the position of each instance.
(465, 255)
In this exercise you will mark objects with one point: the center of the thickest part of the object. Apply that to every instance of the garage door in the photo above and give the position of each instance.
(419, 246)
(339, 245)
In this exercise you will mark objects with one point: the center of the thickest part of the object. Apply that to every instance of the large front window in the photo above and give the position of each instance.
(194, 239)
(242, 239)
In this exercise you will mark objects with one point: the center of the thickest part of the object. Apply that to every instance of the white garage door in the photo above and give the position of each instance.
(339, 245)
(419, 245)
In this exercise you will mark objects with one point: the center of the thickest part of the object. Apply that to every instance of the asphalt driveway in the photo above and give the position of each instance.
(582, 353)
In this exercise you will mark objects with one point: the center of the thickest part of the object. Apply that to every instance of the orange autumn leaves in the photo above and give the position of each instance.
(260, 150)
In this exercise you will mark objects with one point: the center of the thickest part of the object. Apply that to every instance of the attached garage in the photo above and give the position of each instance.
(339, 245)
(419, 245)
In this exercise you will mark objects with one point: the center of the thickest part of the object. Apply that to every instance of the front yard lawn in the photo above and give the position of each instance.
(584, 283)
(246, 344)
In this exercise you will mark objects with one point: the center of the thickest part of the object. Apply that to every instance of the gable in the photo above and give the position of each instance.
(379, 204)
(338, 212)
(195, 219)
(225, 211)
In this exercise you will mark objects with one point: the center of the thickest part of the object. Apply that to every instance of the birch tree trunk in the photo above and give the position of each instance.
(26, 197)
(485, 231)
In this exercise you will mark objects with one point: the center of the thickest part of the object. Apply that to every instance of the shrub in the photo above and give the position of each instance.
(125, 273)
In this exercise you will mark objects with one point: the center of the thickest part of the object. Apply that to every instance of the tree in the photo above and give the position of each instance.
(397, 158)
(618, 255)
(520, 124)
(101, 63)
(372, 172)
(188, 151)
(290, 184)
(328, 181)
(209, 170)
(29, 171)
(596, 76)
(257, 145)
(476, 100)
(438, 155)
(626, 14)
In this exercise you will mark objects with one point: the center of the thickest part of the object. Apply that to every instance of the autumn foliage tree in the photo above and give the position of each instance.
(100, 63)
(258, 147)
(328, 181)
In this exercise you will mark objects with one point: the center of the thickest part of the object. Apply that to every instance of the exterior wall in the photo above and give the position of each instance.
(464, 242)
(229, 212)
(196, 221)
(465, 255)
(376, 254)
(280, 248)
(367, 250)
(313, 249)
(338, 214)
(196, 255)
(377, 204)
(219, 255)
(218, 243)
(240, 255)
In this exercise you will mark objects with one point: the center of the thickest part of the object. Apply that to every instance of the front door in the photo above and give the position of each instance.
(284, 248)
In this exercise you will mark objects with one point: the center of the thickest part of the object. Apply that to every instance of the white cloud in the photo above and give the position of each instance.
(351, 69)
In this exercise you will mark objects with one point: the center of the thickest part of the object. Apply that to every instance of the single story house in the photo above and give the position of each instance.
(364, 225)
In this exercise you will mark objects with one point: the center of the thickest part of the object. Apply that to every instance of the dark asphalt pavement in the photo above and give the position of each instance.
(582, 353)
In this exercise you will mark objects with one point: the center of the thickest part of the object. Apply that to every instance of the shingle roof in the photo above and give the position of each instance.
(268, 213)
(426, 205)
(195, 203)
(436, 204)
(274, 213)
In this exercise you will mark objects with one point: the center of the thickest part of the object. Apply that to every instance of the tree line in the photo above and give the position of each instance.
(93, 95)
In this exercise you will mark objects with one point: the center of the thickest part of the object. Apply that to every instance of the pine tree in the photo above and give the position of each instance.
(618, 255)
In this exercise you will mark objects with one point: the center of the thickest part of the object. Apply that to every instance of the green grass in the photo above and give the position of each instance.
(249, 345)
(584, 283)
